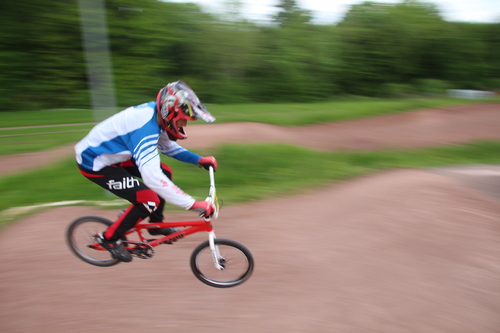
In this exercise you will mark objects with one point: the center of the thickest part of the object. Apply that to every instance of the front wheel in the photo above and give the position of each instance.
(235, 262)
(81, 239)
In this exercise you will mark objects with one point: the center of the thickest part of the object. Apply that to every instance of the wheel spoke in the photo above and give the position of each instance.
(235, 259)
(81, 240)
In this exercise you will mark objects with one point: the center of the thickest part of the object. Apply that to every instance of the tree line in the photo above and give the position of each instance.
(375, 50)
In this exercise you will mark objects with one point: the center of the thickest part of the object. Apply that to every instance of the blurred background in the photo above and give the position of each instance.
(405, 249)
(54, 52)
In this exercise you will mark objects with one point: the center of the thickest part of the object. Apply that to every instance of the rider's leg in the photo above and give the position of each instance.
(134, 214)
(157, 215)
(131, 167)
(120, 182)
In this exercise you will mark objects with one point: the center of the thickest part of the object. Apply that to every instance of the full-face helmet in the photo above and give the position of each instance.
(178, 101)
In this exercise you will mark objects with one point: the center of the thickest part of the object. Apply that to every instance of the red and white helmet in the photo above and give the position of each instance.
(178, 101)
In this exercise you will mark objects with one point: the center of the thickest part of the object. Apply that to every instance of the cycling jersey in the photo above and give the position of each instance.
(135, 134)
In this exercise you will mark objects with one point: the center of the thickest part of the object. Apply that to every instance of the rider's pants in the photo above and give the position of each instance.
(121, 180)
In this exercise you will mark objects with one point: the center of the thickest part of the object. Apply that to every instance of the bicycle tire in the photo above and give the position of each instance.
(238, 263)
(81, 233)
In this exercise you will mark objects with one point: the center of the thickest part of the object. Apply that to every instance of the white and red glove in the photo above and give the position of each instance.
(205, 208)
(206, 162)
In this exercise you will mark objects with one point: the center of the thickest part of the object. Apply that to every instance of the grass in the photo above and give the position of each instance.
(70, 129)
(289, 114)
(247, 172)
(37, 139)
(46, 117)
(297, 114)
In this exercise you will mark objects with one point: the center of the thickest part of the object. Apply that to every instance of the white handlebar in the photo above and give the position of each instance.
(212, 178)
(212, 198)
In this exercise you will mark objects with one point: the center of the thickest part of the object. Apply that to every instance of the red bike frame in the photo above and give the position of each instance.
(82, 238)
(192, 227)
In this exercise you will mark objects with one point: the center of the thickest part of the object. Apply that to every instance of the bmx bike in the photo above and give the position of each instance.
(217, 262)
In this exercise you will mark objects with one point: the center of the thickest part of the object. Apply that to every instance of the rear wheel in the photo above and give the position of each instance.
(235, 260)
(81, 239)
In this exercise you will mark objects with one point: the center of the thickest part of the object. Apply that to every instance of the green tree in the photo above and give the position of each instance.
(41, 61)
(384, 44)
(473, 50)
(226, 58)
(291, 14)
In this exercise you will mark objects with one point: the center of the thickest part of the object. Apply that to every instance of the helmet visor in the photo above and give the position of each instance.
(195, 107)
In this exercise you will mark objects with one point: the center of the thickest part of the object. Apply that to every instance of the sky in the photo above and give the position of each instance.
(332, 11)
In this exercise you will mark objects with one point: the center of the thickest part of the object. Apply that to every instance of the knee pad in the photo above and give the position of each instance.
(149, 199)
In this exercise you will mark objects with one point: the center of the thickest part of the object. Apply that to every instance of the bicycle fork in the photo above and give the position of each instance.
(215, 251)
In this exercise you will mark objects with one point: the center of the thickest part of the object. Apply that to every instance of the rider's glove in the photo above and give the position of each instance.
(205, 208)
(206, 162)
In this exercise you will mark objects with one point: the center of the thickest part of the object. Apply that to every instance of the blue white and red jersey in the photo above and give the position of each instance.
(135, 134)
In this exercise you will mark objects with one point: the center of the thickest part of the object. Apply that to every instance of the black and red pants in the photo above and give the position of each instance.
(122, 180)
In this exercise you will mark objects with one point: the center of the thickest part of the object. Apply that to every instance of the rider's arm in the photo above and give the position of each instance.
(143, 144)
(156, 180)
(172, 149)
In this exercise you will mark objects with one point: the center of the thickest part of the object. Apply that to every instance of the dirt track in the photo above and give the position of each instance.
(400, 251)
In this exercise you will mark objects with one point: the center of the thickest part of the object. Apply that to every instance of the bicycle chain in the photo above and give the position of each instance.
(141, 250)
